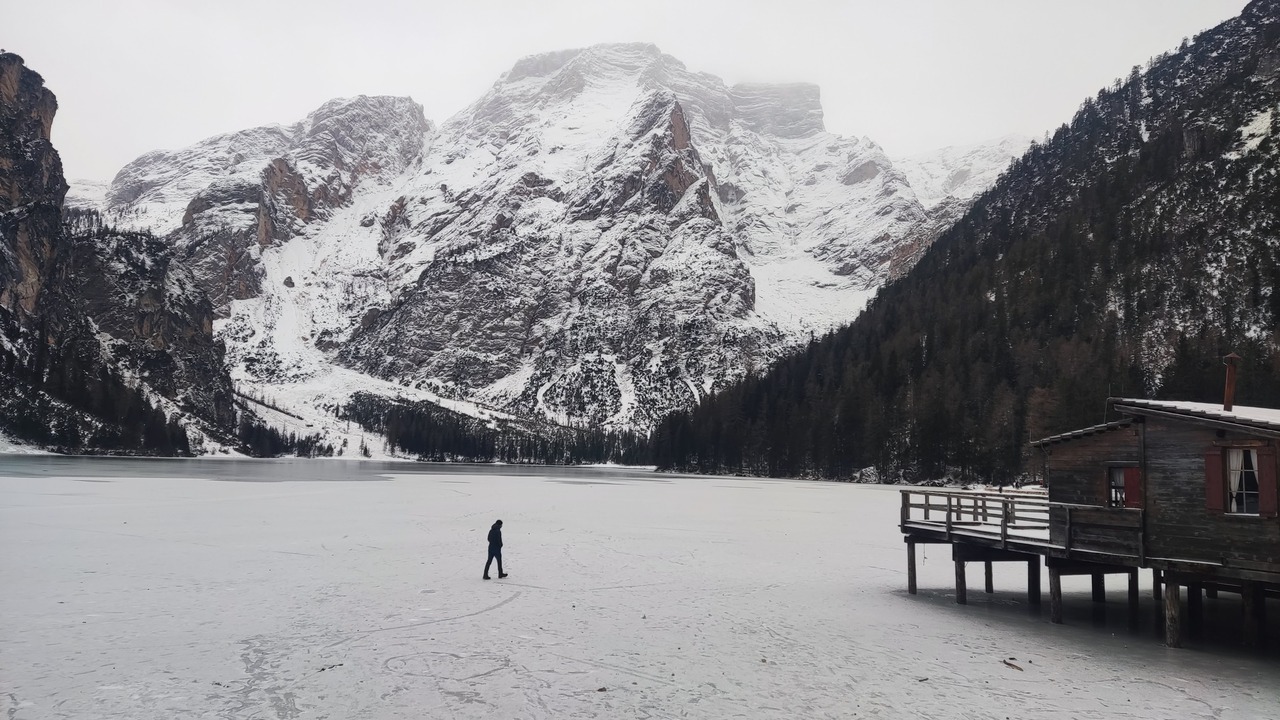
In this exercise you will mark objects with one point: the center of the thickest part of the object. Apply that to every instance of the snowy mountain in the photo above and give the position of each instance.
(602, 237)
(85, 194)
(960, 171)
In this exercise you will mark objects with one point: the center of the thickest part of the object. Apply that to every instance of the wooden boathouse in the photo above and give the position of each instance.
(1185, 490)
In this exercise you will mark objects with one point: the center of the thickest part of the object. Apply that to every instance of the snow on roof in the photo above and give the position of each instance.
(1081, 433)
(1265, 418)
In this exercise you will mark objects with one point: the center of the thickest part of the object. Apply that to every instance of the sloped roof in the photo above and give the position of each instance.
(1253, 417)
(1093, 430)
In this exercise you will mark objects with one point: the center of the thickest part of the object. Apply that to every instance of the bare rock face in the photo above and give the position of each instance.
(31, 190)
(152, 317)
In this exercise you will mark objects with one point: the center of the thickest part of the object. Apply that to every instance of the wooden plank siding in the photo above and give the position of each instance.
(1077, 474)
(1078, 468)
(1180, 523)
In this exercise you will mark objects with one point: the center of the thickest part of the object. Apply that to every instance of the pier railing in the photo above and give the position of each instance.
(1017, 516)
(1024, 518)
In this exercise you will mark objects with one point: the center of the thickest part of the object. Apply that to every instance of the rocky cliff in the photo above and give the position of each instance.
(105, 344)
(31, 191)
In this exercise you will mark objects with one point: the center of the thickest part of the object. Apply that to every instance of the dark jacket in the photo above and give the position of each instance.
(495, 537)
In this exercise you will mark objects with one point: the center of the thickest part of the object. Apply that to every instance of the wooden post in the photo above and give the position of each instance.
(1055, 596)
(1004, 524)
(1211, 593)
(911, 567)
(1195, 609)
(1252, 597)
(1033, 580)
(990, 587)
(1099, 588)
(1133, 597)
(948, 518)
(961, 588)
(1157, 583)
(1172, 614)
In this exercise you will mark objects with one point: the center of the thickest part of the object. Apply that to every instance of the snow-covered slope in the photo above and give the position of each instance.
(960, 171)
(85, 194)
(602, 237)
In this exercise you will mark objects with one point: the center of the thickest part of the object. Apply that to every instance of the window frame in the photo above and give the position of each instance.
(1111, 469)
(1115, 490)
(1249, 452)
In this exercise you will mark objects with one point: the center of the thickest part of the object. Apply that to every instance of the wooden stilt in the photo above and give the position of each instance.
(1033, 580)
(1195, 609)
(1157, 583)
(911, 568)
(1133, 597)
(1211, 593)
(1099, 588)
(1055, 596)
(961, 588)
(1172, 614)
(990, 585)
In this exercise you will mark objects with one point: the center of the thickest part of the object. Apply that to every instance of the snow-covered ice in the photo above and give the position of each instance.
(307, 589)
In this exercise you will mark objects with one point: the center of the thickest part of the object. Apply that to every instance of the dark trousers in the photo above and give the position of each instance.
(494, 554)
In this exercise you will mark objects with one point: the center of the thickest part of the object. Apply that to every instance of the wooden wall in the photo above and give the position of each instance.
(1077, 473)
(1179, 523)
(1077, 468)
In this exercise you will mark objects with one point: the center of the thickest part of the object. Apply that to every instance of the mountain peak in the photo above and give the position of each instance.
(633, 56)
(787, 110)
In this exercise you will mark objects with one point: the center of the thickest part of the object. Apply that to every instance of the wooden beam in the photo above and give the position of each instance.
(1075, 566)
(982, 553)
(1195, 609)
(1133, 598)
(961, 588)
(911, 567)
(1172, 614)
(990, 586)
(1099, 588)
(1055, 596)
(1033, 581)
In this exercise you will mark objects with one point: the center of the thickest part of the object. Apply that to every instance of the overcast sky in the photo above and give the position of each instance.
(913, 75)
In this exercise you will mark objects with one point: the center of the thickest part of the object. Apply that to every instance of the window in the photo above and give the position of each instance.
(1240, 479)
(1115, 487)
(1243, 494)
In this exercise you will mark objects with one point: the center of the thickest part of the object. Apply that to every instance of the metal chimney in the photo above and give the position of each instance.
(1229, 392)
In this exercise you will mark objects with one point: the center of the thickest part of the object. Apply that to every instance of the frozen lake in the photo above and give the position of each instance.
(311, 589)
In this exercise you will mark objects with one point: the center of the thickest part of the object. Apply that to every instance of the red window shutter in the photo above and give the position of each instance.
(1267, 481)
(1215, 494)
(1133, 487)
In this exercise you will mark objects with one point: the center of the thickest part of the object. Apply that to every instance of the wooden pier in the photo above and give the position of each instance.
(1187, 490)
(1069, 539)
(991, 527)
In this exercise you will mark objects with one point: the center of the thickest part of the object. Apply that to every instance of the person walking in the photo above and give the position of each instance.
(495, 550)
